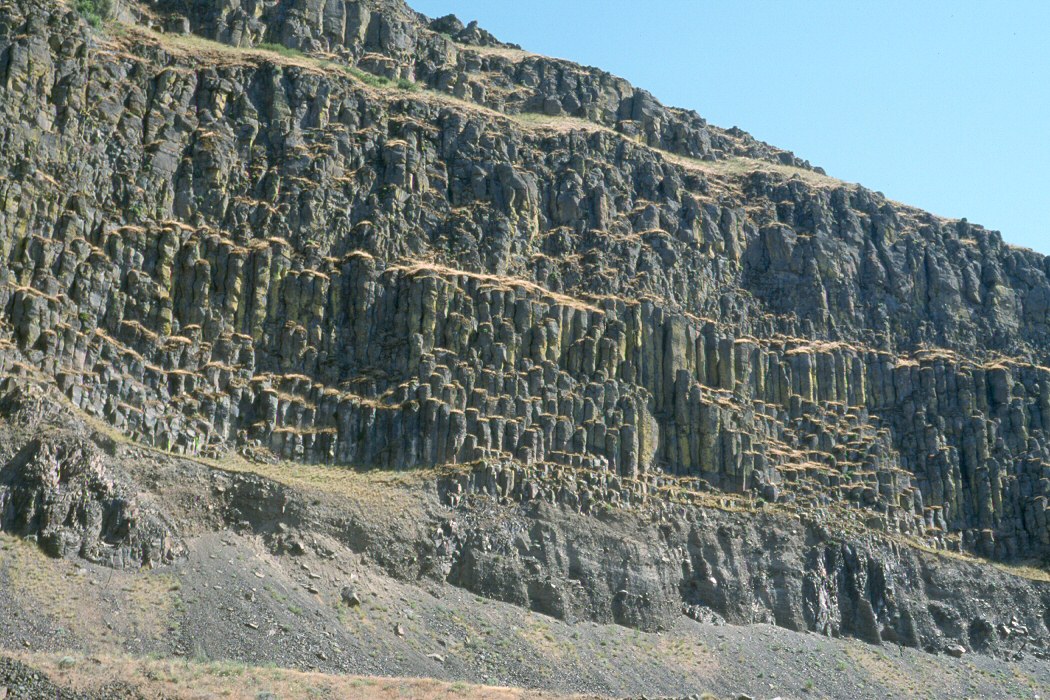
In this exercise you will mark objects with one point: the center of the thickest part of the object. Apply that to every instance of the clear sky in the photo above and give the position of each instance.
(941, 104)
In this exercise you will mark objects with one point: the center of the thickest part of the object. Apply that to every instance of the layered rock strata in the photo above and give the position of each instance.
(216, 248)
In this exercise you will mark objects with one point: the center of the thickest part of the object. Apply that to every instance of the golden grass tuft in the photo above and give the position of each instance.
(413, 268)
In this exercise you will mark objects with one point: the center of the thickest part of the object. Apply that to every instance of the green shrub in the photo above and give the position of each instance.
(281, 49)
(94, 11)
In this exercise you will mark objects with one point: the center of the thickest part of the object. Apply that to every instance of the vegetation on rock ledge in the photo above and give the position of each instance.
(94, 11)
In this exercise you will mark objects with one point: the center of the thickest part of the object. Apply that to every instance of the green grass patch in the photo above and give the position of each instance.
(379, 81)
(280, 49)
(94, 11)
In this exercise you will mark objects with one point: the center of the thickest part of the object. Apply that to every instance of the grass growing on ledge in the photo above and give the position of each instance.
(1032, 571)
(281, 49)
(380, 81)
(366, 78)
(200, 47)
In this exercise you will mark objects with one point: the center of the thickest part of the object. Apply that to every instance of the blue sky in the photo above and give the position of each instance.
(942, 105)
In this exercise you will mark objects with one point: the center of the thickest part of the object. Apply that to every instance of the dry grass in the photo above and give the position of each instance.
(498, 282)
(737, 167)
(814, 347)
(700, 660)
(543, 642)
(904, 681)
(733, 168)
(199, 48)
(560, 124)
(179, 679)
(921, 673)
(514, 55)
(391, 490)
(74, 601)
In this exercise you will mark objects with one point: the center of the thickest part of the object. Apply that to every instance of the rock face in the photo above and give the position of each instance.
(387, 38)
(526, 267)
(58, 490)
(60, 494)
(727, 568)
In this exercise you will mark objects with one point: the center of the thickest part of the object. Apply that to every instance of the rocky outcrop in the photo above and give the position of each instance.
(740, 569)
(59, 493)
(248, 272)
(573, 543)
(60, 486)
(530, 272)
(388, 39)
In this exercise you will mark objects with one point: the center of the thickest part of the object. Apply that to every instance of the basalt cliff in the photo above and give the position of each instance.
(383, 304)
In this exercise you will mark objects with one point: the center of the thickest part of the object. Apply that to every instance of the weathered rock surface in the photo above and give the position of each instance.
(529, 268)
(387, 38)
(57, 489)
(643, 567)
(740, 569)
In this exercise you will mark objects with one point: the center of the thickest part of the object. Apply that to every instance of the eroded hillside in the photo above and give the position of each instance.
(343, 234)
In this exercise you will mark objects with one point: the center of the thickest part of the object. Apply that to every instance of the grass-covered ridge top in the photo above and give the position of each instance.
(266, 52)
